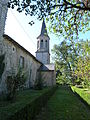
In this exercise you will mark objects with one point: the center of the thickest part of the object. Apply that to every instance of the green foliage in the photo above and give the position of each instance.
(83, 64)
(73, 60)
(14, 82)
(66, 17)
(27, 104)
(2, 64)
(61, 79)
(65, 57)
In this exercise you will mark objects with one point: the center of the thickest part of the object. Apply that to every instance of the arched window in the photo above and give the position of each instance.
(21, 62)
(46, 43)
(41, 43)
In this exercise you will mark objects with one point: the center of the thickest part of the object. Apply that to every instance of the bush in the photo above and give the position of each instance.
(28, 104)
(14, 82)
(32, 109)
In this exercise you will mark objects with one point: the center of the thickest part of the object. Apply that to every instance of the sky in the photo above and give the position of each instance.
(17, 27)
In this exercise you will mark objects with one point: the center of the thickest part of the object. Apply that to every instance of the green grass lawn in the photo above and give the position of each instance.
(22, 99)
(84, 93)
(64, 105)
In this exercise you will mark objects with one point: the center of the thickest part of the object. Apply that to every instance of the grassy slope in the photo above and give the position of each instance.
(84, 93)
(64, 105)
(22, 99)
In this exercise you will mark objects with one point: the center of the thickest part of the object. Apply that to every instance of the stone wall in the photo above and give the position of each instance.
(44, 57)
(48, 78)
(13, 51)
(3, 15)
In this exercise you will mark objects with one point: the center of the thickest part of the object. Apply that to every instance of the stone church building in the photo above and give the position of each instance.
(17, 56)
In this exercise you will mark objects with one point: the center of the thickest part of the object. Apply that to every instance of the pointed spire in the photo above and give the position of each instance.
(43, 29)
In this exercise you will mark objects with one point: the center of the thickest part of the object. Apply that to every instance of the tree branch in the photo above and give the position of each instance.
(75, 6)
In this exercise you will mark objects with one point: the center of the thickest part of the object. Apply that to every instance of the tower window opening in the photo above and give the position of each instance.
(41, 43)
(46, 43)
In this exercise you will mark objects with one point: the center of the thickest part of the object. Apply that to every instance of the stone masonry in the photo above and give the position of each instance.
(13, 52)
(16, 55)
(3, 14)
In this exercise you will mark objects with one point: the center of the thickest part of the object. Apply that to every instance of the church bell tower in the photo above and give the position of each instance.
(42, 53)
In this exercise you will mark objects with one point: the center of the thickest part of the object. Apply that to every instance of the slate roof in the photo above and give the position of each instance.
(43, 30)
(47, 67)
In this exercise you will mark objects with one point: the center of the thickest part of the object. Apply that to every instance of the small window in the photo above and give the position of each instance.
(21, 62)
(41, 43)
(46, 43)
(13, 49)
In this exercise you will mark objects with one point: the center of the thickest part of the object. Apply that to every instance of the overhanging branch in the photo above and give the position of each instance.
(75, 6)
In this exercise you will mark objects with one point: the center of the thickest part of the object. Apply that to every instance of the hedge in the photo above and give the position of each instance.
(30, 110)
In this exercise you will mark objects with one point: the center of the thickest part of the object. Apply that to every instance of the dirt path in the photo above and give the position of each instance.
(63, 105)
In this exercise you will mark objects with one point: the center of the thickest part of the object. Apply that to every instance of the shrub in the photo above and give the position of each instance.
(14, 82)
(31, 109)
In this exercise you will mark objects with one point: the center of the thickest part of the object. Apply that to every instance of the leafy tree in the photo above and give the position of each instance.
(73, 60)
(67, 17)
(65, 56)
(83, 64)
